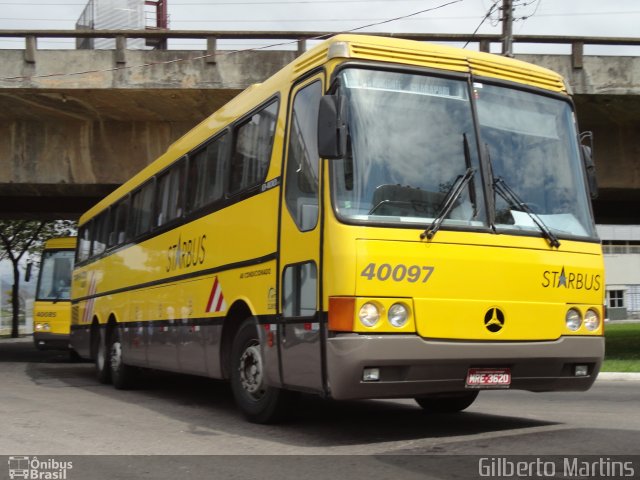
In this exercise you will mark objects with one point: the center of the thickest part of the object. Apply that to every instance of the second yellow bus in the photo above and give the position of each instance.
(52, 307)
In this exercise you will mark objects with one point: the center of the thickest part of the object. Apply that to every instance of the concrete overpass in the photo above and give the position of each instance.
(74, 124)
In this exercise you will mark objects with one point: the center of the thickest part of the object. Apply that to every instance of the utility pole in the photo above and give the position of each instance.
(507, 28)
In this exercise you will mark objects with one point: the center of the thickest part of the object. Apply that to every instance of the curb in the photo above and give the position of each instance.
(16, 340)
(619, 376)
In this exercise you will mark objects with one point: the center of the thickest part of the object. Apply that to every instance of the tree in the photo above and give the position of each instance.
(18, 237)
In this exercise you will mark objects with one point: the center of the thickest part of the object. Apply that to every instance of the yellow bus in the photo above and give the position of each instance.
(52, 306)
(381, 218)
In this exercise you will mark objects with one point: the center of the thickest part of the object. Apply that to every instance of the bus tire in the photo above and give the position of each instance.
(103, 370)
(122, 375)
(447, 402)
(258, 402)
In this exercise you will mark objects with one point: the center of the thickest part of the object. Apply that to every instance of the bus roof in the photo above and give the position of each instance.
(339, 48)
(61, 243)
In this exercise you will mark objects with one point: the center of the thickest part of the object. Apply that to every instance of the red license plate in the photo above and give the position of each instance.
(488, 378)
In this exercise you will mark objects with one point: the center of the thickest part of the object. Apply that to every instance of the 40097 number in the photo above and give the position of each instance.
(398, 273)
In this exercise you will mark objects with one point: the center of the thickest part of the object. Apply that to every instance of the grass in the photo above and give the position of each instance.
(622, 348)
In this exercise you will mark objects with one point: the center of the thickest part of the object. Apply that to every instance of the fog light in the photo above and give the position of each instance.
(581, 371)
(371, 375)
(398, 315)
(591, 320)
(573, 319)
(369, 314)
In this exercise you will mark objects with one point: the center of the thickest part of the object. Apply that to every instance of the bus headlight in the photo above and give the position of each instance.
(591, 320)
(573, 319)
(398, 315)
(42, 327)
(369, 314)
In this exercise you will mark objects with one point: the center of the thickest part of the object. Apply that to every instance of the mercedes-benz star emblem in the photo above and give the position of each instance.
(494, 320)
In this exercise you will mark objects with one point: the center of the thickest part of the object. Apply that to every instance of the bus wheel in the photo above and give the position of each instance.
(103, 371)
(258, 402)
(122, 375)
(447, 402)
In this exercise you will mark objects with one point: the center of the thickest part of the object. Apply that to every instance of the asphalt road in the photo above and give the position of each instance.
(56, 409)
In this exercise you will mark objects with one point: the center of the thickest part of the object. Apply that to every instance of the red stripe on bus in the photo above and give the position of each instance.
(213, 293)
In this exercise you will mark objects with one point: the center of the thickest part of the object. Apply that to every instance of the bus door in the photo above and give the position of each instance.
(299, 327)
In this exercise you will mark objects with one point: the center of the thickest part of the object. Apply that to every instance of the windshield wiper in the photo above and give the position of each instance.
(472, 186)
(516, 202)
(449, 201)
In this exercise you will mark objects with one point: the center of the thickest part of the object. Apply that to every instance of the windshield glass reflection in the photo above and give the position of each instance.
(411, 137)
(532, 143)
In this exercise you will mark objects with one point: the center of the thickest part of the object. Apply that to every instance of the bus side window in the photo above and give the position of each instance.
(169, 194)
(299, 283)
(120, 229)
(207, 173)
(100, 234)
(196, 178)
(142, 209)
(84, 242)
(252, 149)
(301, 190)
(111, 226)
(117, 223)
(217, 168)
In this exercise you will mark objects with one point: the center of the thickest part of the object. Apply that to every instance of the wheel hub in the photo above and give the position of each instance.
(251, 371)
(116, 355)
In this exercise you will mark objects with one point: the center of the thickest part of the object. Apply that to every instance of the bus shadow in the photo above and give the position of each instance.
(316, 422)
(22, 350)
(312, 421)
(208, 408)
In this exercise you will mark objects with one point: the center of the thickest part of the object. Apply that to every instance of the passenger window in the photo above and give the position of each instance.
(252, 149)
(117, 222)
(141, 209)
(111, 226)
(84, 242)
(301, 191)
(169, 194)
(122, 216)
(207, 173)
(299, 285)
(100, 234)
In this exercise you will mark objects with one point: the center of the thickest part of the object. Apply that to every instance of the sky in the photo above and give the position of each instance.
(619, 18)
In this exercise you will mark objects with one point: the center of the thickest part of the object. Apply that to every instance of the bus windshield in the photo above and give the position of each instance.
(55, 275)
(412, 137)
(531, 141)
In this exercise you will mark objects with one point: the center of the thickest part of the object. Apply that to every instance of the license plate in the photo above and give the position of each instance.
(488, 378)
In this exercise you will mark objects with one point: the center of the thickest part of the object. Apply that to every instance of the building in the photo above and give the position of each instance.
(621, 247)
(122, 15)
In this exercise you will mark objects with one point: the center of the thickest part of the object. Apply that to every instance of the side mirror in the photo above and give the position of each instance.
(27, 272)
(332, 127)
(589, 165)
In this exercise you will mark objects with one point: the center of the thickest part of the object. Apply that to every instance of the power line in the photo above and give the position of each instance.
(214, 4)
(244, 20)
(484, 19)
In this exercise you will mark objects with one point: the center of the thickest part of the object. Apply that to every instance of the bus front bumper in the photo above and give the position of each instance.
(51, 341)
(410, 366)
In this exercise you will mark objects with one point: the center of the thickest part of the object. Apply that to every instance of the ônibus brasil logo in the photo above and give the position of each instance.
(34, 469)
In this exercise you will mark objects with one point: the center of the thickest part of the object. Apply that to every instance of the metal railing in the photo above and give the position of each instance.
(577, 44)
